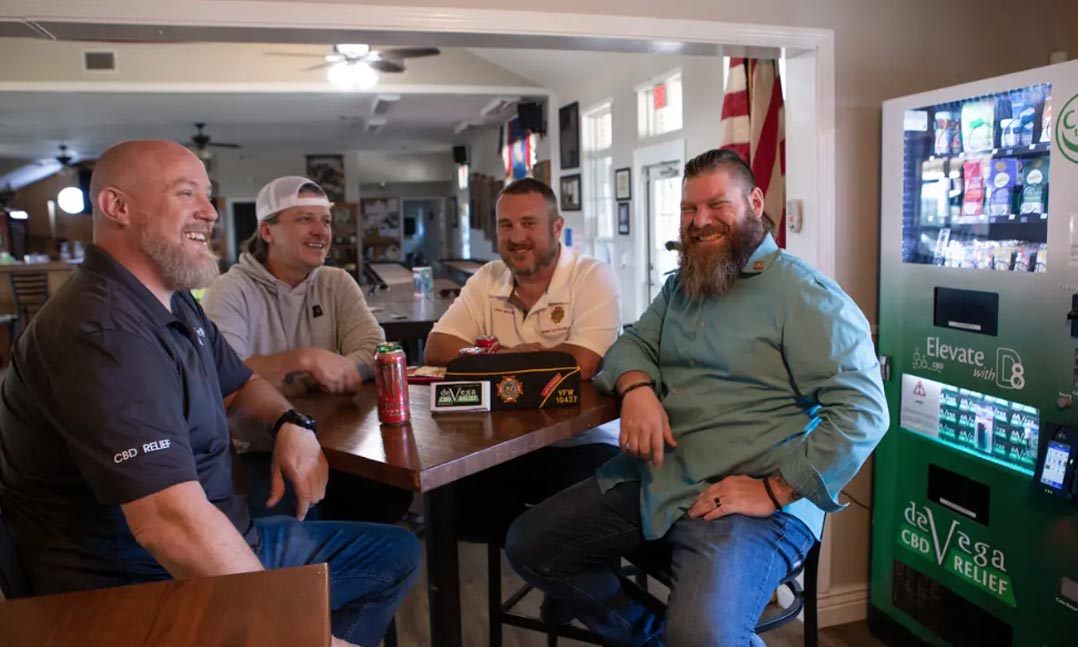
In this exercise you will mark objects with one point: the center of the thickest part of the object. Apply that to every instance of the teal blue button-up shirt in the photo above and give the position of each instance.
(778, 374)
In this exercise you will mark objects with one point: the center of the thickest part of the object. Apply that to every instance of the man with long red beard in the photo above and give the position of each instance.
(541, 295)
(751, 395)
(114, 441)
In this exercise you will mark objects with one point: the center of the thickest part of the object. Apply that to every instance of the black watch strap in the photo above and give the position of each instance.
(296, 418)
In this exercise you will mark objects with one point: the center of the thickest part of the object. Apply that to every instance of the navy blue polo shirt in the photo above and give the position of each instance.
(109, 398)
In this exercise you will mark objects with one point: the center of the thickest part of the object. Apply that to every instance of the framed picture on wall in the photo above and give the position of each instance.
(328, 172)
(570, 192)
(569, 135)
(623, 184)
(623, 218)
(541, 172)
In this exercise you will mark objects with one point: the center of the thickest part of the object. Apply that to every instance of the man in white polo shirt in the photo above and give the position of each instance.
(539, 296)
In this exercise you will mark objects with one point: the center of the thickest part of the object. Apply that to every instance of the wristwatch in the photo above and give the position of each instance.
(296, 418)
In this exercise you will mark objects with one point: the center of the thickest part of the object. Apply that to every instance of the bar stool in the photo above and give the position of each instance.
(644, 564)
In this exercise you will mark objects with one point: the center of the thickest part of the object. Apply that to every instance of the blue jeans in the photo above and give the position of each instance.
(724, 571)
(348, 497)
(371, 568)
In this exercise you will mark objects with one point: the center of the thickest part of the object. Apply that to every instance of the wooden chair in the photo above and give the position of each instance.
(646, 564)
(30, 290)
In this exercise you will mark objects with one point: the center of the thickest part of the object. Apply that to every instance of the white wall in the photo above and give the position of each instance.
(380, 166)
(241, 175)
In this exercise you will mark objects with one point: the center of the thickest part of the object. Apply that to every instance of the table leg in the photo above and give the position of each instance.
(443, 575)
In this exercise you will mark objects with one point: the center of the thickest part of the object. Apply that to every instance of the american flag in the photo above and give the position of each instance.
(754, 125)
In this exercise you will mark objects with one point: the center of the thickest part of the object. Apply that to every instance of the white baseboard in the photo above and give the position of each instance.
(843, 605)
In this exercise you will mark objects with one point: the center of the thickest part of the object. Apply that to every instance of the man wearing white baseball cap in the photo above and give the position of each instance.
(299, 325)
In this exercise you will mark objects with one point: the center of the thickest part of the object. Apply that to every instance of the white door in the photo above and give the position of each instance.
(663, 184)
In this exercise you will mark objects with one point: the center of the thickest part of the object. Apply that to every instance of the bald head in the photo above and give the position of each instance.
(132, 166)
(153, 214)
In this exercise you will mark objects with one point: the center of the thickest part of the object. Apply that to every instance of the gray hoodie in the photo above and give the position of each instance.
(261, 315)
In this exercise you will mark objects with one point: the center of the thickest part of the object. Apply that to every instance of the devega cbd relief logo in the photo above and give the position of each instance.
(1067, 130)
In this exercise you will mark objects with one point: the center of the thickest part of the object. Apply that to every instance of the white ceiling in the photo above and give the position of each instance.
(34, 124)
(560, 68)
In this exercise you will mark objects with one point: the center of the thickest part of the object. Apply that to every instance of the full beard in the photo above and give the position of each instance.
(712, 274)
(178, 270)
(542, 259)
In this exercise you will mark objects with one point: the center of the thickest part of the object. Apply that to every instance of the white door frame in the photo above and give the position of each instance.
(672, 150)
(227, 219)
(440, 218)
(491, 26)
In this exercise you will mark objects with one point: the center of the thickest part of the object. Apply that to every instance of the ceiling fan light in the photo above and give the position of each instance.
(352, 76)
(353, 50)
(70, 200)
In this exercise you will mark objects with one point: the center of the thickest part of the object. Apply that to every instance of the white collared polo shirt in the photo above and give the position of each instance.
(582, 306)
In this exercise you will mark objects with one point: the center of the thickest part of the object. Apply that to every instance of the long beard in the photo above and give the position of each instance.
(178, 270)
(712, 274)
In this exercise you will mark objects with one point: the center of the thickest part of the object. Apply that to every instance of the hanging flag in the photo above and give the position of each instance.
(754, 125)
(517, 151)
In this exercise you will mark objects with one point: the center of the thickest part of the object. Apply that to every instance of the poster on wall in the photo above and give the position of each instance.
(541, 172)
(328, 172)
(381, 228)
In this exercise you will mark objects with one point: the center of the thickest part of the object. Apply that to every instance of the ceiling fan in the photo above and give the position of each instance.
(349, 54)
(201, 142)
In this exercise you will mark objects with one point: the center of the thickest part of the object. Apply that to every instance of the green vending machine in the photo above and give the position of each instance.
(975, 507)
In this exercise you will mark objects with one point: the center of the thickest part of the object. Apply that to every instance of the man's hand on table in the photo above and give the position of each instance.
(736, 494)
(298, 457)
(645, 427)
(522, 348)
(335, 374)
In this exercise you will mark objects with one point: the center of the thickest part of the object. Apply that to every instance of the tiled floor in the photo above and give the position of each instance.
(413, 627)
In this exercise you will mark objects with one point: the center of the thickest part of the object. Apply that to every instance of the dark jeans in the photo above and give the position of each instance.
(488, 502)
(348, 497)
(371, 568)
(723, 570)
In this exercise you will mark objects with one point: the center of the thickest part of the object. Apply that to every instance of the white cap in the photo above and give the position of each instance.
(282, 193)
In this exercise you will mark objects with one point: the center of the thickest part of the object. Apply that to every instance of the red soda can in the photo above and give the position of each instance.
(489, 343)
(391, 378)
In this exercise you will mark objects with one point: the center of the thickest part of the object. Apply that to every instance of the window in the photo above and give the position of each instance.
(598, 167)
(658, 104)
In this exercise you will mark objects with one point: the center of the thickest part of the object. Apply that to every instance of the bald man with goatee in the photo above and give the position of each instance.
(114, 440)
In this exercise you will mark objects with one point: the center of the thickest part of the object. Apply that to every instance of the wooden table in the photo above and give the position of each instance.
(460, 270)
(407, 318)
(434, 451)
(283, 607)
(392, 273)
